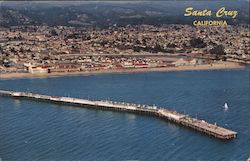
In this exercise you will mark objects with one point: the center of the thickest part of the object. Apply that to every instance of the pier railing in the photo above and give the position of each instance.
(185, 120)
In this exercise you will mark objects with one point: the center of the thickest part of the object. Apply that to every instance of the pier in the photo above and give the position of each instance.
(178, 118)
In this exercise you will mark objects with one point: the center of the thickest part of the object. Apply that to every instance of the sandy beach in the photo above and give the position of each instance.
(215, 66)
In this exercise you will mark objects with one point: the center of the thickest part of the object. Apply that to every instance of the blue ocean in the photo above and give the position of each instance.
(31, 130)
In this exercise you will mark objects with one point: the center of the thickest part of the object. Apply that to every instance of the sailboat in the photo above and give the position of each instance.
(225, 106)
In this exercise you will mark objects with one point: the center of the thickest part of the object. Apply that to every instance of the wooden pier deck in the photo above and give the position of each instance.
(198, 125)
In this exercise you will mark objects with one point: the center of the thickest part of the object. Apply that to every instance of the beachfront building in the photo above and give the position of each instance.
(181, 62)
(36, 69)
(128, 65)
(40, 69)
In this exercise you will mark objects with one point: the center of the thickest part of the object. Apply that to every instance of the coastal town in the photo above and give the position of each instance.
(124, 80)
(61, 49)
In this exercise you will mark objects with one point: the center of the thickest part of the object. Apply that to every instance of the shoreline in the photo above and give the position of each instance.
(215, 66)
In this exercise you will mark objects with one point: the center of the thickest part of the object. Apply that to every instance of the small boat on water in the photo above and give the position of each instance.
(225, 106)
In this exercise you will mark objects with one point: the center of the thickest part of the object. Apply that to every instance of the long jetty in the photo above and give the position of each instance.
(173, 116)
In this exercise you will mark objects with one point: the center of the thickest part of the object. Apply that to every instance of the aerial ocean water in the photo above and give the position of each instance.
(31, 130)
